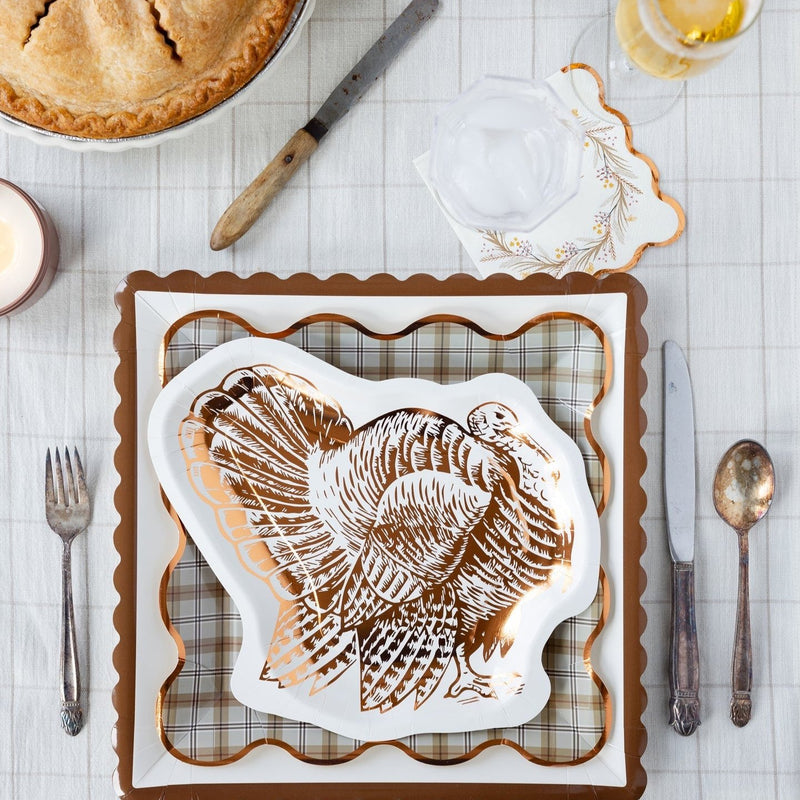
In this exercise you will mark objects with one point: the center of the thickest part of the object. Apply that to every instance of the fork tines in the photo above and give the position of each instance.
(55, 490)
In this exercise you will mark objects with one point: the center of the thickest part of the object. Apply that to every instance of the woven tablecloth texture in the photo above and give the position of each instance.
(728, 291)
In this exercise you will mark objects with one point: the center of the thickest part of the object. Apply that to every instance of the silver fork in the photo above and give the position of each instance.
(68, 513)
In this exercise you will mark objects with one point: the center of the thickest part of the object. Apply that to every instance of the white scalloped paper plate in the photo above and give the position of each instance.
(153, 765)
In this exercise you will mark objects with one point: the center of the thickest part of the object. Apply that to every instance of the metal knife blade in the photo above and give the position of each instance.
(371, 66)
(248, 206)
(679, 461)
(679, 498)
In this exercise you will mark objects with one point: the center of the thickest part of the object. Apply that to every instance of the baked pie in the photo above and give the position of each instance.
(115, 68)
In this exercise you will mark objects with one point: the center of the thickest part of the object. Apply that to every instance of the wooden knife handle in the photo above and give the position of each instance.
(684, 663)
(247, 207)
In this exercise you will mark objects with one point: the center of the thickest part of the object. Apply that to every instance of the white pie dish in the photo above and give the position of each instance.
(47, 138)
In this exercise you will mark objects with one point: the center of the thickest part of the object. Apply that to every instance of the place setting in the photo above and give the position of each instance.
(418, 532)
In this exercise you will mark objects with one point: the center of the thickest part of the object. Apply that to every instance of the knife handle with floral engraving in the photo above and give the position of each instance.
(684, 666)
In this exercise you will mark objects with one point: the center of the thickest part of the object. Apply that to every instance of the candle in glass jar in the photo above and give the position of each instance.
(28, 249)
(8, 245)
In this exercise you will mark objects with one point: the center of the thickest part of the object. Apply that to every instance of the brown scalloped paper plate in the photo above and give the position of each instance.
(179, 632)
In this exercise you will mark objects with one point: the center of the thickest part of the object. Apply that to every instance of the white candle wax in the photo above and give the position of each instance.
(23, 253)
(8, 245)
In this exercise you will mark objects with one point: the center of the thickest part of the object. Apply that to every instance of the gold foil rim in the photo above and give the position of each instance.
(603, 580)
(654, 172)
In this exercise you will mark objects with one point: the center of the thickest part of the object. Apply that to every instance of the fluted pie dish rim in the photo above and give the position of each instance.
(187, 98)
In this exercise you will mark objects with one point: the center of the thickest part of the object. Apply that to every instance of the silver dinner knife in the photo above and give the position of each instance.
(248, 206)
(679, 493)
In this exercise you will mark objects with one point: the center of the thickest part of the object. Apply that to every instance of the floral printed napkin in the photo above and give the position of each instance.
(618, 212)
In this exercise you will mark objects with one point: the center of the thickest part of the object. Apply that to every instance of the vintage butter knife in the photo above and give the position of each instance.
(679, 492)
(248, 206)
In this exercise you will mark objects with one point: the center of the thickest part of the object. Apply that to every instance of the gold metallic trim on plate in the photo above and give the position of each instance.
(165, 618)
(587, 662)
(432, 319)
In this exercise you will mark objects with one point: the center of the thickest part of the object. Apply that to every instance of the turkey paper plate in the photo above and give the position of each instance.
(399, 550)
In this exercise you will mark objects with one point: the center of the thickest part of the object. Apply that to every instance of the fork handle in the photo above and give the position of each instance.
(71, 713)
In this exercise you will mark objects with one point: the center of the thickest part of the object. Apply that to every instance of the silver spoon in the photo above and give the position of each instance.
(743, 489)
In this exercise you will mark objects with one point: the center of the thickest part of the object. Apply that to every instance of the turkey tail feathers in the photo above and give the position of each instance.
(305, 644)
(407, 649)
(248, 444)
(264, 424)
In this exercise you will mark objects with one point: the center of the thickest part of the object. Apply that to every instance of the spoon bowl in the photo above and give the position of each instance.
(744, 486)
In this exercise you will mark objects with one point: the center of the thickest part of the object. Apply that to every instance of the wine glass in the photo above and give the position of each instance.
(647, 49)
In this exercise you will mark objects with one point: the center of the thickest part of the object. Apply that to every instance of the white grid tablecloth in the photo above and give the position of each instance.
(728, 291)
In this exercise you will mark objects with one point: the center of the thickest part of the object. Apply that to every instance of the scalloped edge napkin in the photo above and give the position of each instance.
(618, 212)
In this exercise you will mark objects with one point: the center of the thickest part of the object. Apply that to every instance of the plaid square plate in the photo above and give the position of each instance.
(563, 360)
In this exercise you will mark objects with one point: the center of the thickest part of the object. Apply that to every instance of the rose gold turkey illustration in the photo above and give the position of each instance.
(400, 548)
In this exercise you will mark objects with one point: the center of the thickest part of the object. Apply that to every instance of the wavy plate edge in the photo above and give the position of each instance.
(634, 617)
(654, 172)
(172, 331)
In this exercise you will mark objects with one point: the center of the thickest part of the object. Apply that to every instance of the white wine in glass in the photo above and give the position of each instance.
(678, 39)
(649, 47)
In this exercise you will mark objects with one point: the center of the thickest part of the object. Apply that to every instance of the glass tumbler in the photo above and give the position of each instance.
(506, 154)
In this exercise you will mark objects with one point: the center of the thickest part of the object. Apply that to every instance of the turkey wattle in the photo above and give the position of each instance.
(401, 546)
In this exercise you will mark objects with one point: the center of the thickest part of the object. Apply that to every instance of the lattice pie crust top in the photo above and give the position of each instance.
(117, 68)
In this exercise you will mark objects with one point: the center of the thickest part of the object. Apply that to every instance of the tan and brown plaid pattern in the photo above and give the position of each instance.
(563, 361)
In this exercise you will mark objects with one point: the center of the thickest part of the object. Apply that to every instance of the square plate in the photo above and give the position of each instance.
(560, 360)
(147, 539)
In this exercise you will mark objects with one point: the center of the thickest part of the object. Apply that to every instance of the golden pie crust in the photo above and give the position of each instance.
(105, 69)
